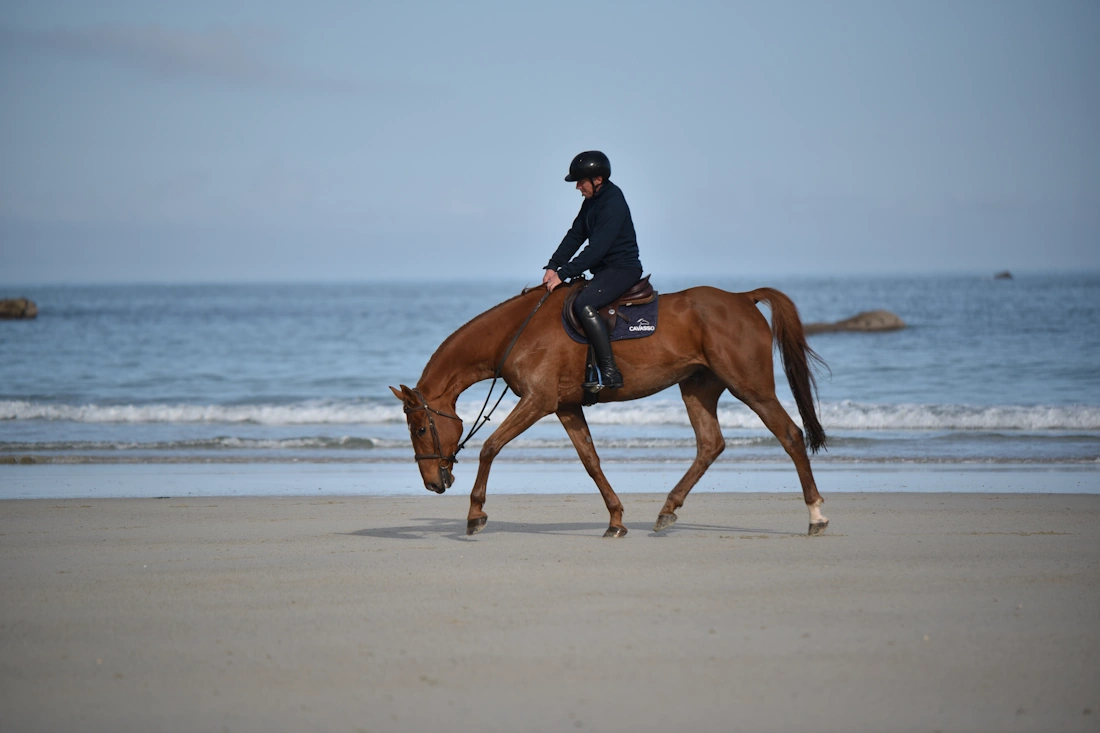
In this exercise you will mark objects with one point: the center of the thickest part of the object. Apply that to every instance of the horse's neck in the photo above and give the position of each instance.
(473, 352)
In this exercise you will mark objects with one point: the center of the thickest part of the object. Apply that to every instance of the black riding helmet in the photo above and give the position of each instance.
(589, 164)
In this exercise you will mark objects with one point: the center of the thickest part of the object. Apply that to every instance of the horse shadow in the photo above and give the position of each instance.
(455, 529)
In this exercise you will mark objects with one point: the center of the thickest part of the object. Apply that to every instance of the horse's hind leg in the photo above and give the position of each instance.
(783, 427)
(572, 418)
(700, 392)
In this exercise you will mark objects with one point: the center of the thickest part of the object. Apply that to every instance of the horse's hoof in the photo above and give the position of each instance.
(473, 526)
(816, 529)
(615, 532)
(664, 521)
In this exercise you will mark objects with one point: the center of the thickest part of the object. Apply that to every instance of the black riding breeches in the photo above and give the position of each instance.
(605, 286)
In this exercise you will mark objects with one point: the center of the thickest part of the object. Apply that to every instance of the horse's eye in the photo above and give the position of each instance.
(421, 431)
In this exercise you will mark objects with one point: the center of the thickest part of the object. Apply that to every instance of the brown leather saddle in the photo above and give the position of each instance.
(640, 293)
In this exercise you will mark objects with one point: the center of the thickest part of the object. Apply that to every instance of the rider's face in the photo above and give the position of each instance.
(589, 186)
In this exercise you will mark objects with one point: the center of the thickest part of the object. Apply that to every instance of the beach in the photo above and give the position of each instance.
(914, 611)
(263, 265)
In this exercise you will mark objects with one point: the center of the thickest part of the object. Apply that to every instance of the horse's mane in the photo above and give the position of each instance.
(459, 331)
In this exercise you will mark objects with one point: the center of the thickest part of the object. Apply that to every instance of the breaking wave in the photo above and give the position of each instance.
(731, 415)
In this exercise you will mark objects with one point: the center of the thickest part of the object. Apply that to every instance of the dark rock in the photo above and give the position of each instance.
(1006, 275)
(868, 321)
(18, 308)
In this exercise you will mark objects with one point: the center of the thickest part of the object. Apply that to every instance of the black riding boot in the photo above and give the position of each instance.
(596, 330)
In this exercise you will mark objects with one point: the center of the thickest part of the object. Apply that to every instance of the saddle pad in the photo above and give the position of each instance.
(633, 322)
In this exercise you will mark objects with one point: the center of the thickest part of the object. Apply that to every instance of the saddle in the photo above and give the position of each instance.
(640, 293)
(640, 323)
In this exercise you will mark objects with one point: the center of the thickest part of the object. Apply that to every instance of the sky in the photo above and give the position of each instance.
(272, 141)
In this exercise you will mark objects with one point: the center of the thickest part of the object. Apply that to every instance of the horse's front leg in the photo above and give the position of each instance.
(572, 418)
(525, 414)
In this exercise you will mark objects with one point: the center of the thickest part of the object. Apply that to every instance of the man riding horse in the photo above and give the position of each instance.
(710, 342)
(611, 256)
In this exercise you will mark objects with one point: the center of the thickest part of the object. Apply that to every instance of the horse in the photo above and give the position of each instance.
(707, 341)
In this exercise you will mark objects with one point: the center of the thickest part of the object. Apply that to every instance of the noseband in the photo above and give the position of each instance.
(435, 433)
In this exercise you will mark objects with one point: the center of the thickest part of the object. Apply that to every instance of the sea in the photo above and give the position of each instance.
(988, 371)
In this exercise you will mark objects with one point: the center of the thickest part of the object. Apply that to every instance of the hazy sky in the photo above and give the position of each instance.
(157, 141)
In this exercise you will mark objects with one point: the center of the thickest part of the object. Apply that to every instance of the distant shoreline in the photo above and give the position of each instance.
(524, 279)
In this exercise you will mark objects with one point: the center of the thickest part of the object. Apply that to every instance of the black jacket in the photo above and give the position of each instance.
(604, 220)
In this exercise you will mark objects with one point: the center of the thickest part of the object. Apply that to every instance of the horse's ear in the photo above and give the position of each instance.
(406, 395)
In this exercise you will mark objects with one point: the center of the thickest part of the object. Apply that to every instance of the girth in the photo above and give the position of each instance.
(639, 293)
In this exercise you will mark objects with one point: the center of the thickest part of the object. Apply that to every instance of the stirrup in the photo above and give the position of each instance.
(593, 379)
(596, 380)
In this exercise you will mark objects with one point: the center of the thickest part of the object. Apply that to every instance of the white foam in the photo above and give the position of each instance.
(303, 413)
(212, 444)
(731, 415)
(856, 416)
(861, 416)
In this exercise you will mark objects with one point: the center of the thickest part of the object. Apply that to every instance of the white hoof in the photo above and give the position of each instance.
(816, 517)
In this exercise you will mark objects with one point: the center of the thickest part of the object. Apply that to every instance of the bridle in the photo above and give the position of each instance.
(429, 410)
(482, 417)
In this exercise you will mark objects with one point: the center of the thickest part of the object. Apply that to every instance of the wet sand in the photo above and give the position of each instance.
(913, 612)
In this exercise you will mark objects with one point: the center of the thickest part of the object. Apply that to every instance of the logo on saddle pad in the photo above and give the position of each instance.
(628, 322)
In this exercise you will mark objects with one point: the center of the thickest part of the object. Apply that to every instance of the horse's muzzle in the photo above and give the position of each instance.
(446, 479)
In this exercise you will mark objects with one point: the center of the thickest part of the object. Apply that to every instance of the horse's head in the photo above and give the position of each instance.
(435, 435)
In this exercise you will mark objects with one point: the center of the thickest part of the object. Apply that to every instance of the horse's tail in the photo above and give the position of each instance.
(798, 358)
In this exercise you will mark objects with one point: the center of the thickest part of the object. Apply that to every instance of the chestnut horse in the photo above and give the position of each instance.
(707, 341)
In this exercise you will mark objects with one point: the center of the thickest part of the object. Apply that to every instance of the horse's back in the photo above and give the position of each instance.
(686, 320)
(713, 307)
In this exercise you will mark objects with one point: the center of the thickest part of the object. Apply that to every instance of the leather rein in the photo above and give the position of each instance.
(482, 417)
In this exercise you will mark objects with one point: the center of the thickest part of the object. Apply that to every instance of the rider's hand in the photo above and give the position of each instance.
(551, 280)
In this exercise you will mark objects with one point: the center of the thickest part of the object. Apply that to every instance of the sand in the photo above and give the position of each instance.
(913, 612)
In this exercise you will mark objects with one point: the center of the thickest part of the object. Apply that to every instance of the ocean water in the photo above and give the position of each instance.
(987, 372)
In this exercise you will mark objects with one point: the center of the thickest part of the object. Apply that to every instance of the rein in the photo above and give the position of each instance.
(482, 416)
(479, 421)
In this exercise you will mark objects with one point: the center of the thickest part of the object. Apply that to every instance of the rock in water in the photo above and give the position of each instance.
(868, 321)
(18, 308)
(1006, 275)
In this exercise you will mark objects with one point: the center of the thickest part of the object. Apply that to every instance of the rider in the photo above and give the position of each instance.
(611, 255)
